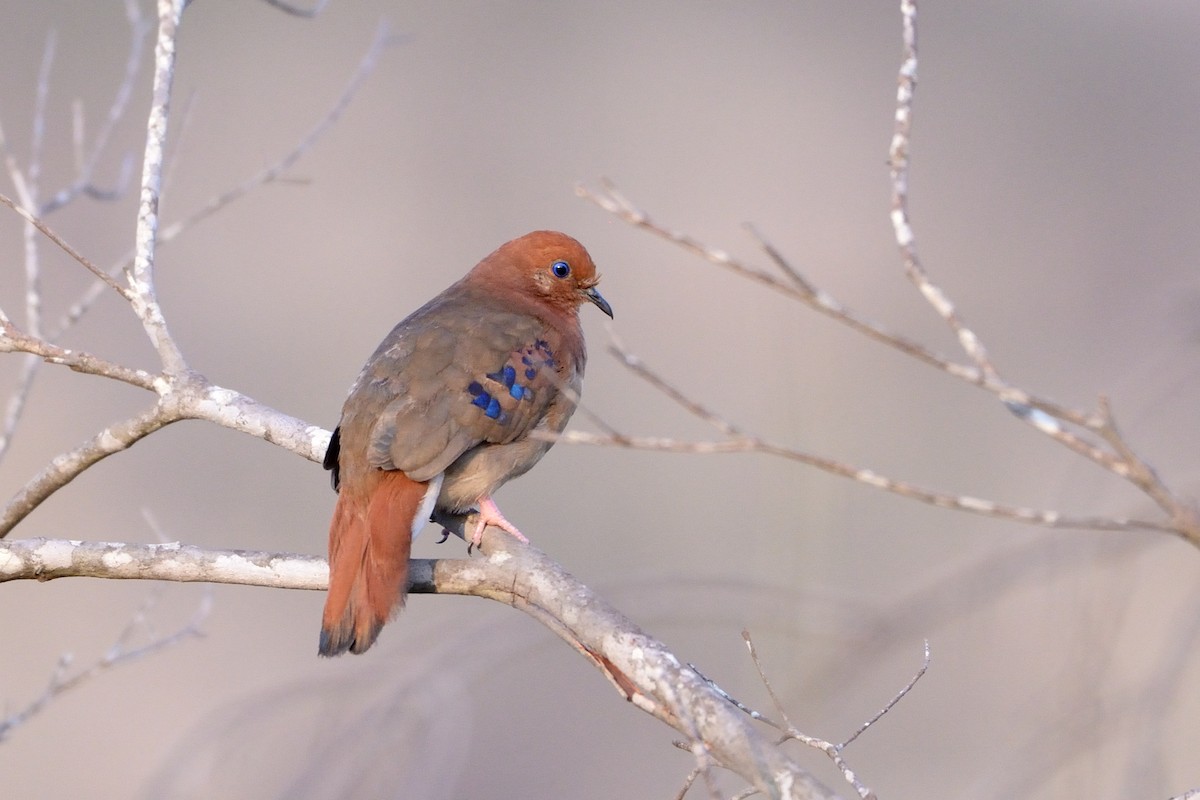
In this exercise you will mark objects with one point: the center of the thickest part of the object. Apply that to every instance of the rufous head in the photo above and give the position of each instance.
(547, 266)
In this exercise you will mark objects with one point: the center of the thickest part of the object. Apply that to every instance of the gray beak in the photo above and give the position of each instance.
(599, 301)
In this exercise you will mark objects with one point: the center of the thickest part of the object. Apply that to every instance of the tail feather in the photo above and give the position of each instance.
(370, 539)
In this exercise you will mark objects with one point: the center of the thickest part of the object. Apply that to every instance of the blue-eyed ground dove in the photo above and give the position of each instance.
(441, 415)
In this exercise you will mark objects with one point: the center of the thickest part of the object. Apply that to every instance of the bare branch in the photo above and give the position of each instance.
(27, 189)
(638, 666)
(1184, 516)
(185, 397)
(773, 253)
(66, 247)
(47, 559)
(635, 365)
(141, 274)
(740, 442)
(28, 194)
(119, 653)
(908, 687)
(820, 300)
(834, 751)
(1092, 435)
(13, 340)
(221, 201)
(84, 182)
(905, 238)
(366, 66)
(66, 467)
(234, 410)
(641, 668)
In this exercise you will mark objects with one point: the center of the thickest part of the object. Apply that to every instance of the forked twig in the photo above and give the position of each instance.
(182, 394)
(742, 442)
(1090, 434)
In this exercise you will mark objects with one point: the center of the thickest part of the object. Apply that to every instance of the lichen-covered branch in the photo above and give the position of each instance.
(639, 666)
(47, 559)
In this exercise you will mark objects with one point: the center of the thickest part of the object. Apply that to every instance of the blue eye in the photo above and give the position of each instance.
(561, 269)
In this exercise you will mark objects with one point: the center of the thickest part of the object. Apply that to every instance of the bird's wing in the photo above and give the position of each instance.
(453, 381)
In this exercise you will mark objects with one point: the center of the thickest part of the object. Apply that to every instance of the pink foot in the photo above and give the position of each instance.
(489, 514)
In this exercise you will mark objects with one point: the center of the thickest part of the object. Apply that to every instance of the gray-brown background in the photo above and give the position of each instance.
(1056, 194)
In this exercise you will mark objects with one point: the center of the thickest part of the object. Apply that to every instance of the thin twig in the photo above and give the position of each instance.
(383, 37)
(821, 301)
(920, 673)
(118, 654)
(688, 781)
(84, 181)
(635, 365)
(773, 253)
(49, 233)
(1095, 436)
(1184, 515)
(270, 174)
(834, 751)
(37, 138)
(740, 442)
(85, 166)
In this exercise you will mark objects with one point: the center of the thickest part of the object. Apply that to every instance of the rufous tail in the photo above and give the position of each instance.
(370, 538)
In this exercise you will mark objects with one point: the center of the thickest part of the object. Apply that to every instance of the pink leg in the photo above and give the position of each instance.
(489, 514)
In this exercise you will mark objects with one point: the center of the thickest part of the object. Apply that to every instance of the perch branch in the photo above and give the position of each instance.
(641, 668)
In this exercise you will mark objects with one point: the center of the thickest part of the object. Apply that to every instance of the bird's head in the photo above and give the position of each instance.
(548, 267)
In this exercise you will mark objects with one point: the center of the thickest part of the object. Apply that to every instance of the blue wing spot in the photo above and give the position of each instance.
(525, 360)
(493, 409)
(507, 376)
(530, 373)
(517, 391)
(474, 388)
(483, 400)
